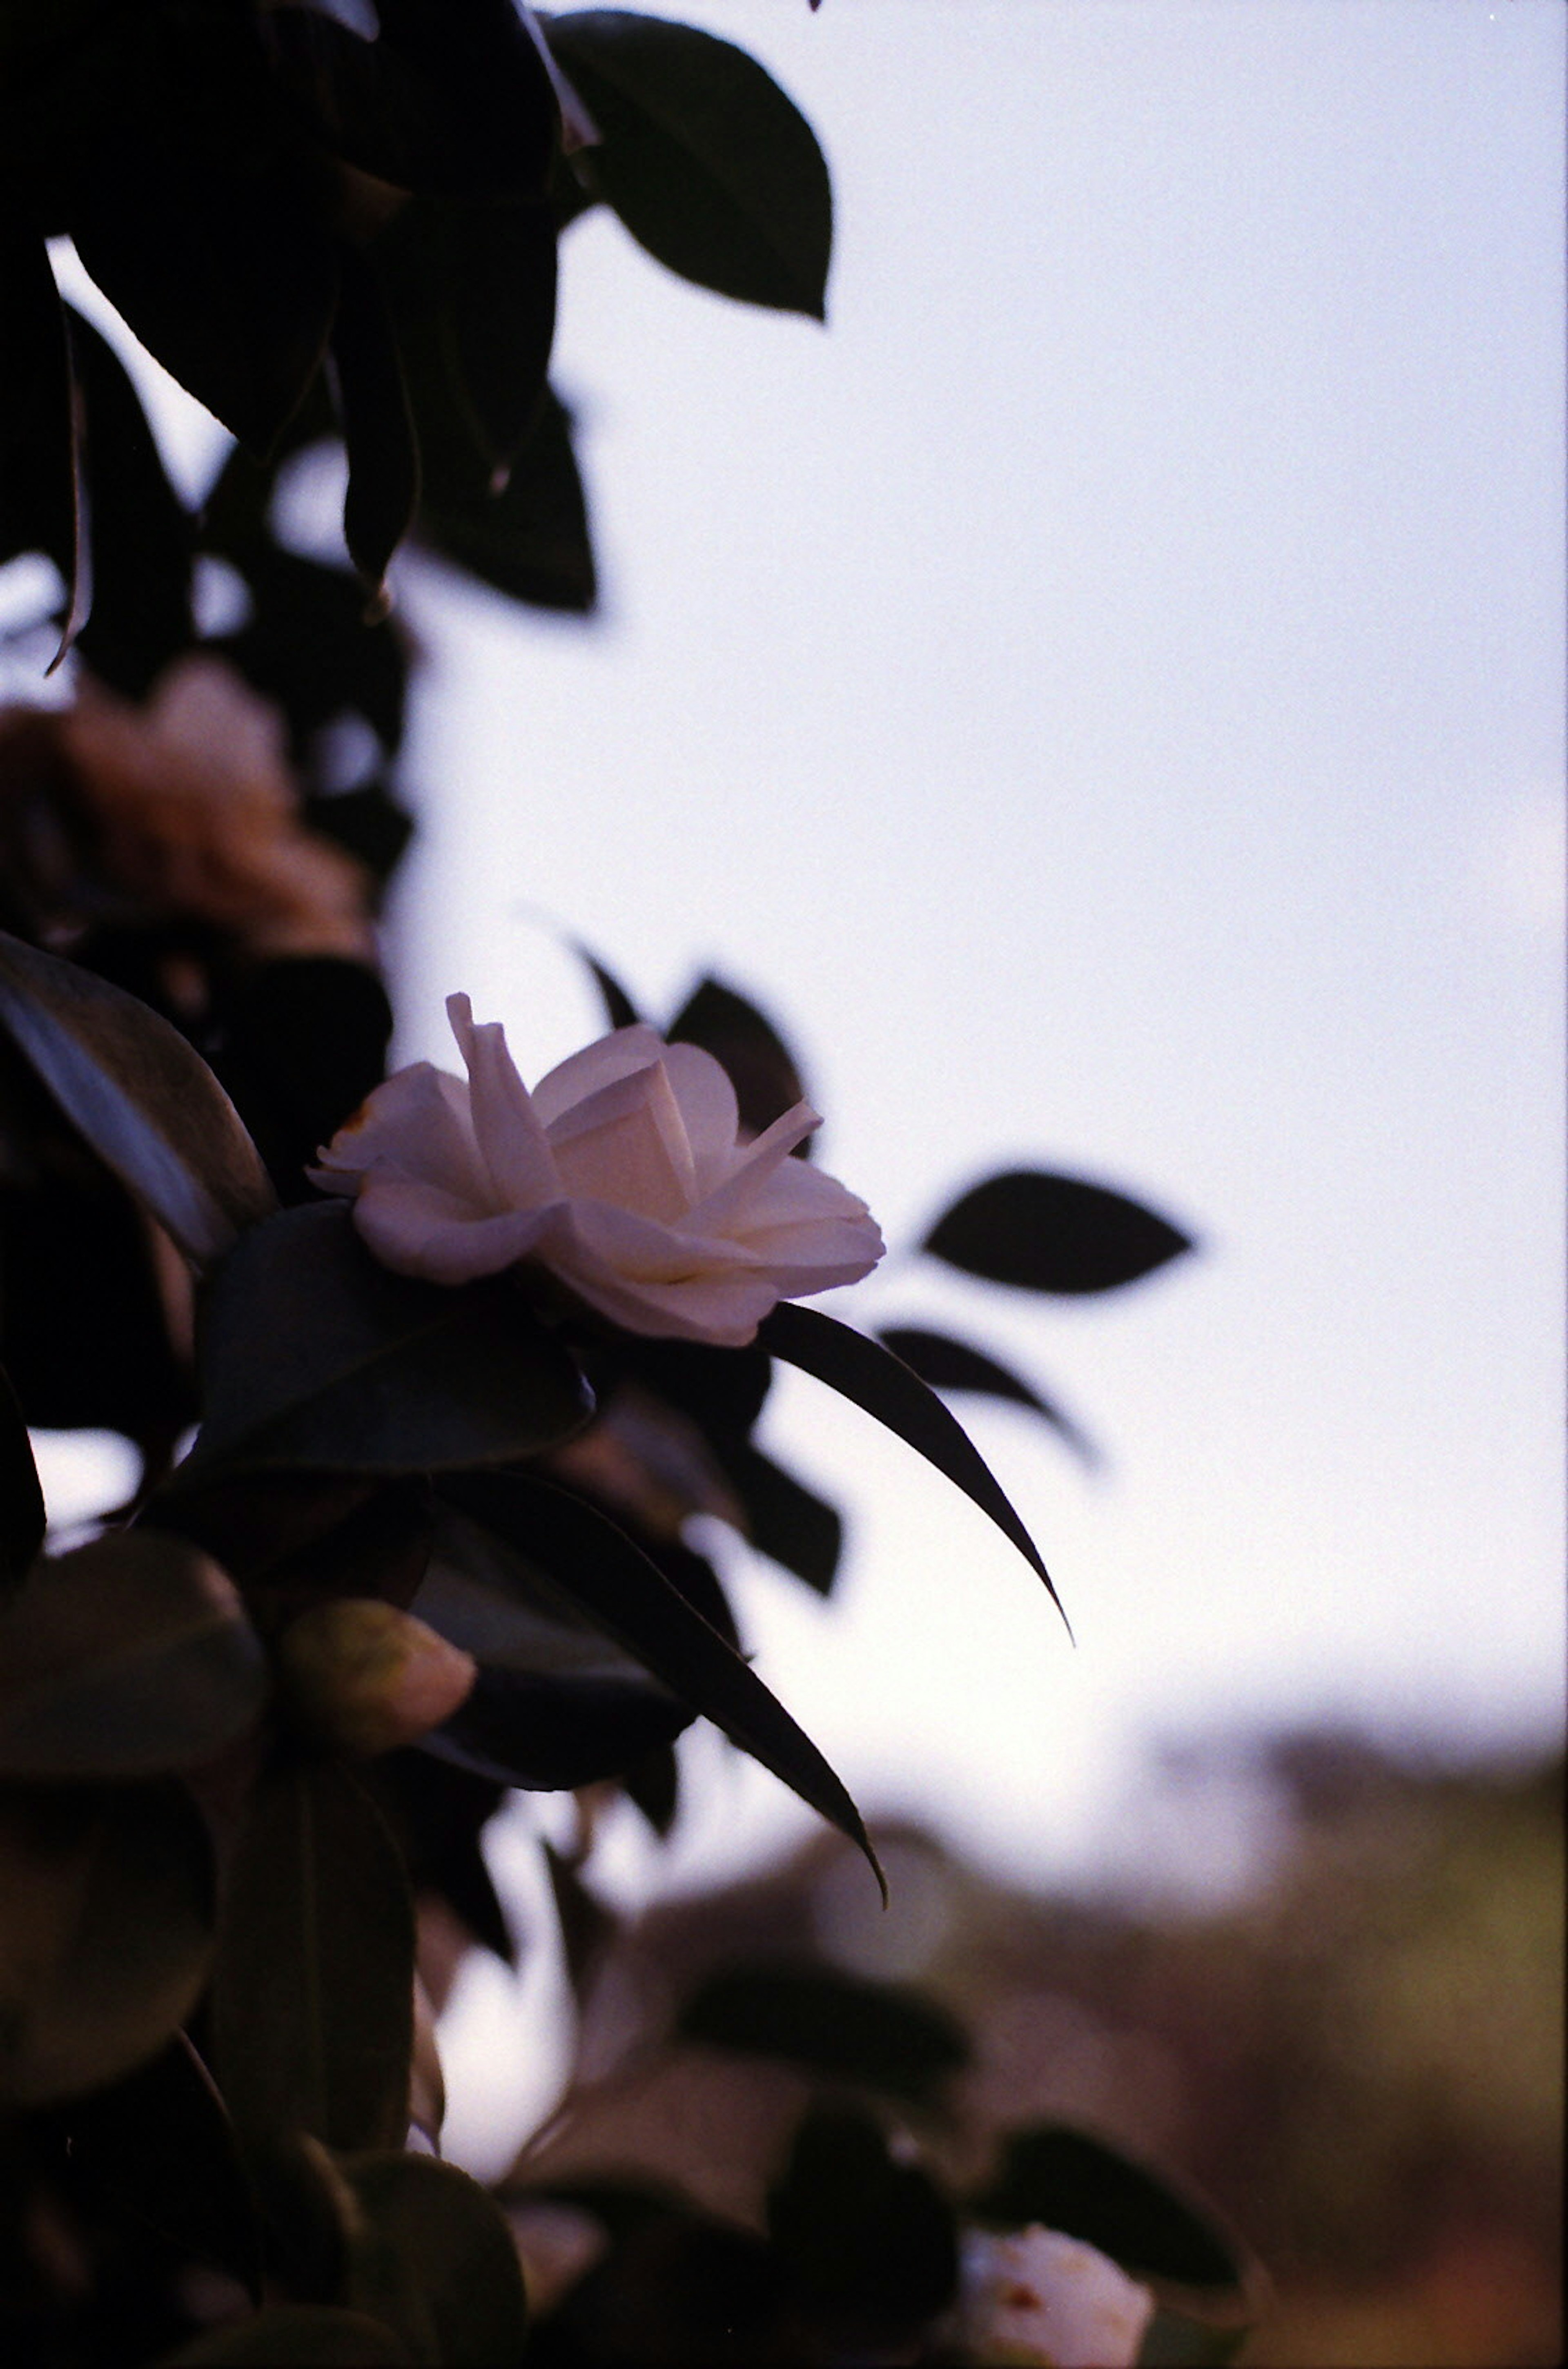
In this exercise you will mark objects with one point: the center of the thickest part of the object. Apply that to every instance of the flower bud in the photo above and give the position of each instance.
(365, 1677)
(1038, 2300)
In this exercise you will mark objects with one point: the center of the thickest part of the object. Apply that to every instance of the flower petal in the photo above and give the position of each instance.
(626, 1145)
(508, 1129)
(599, 1064)
(417, 1124)
(416, 1228)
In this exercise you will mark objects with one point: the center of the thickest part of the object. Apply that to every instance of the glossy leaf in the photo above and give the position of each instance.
(950, 1365)
(378, 433)
(127, 1658)
(707, 163)
(149, 1107)
(316, 1357)
(108, 1933)
(833, 2025)
(157, 2148)
(745, 1043)
(629, 1598)
(313, 1987)
(1078, 2184)
(862, 1371)
(870, 2240)
(1053, 1233)
(39, 492)
(296, 2336)
(138, 532)
(432, 2256)
(22, 1514)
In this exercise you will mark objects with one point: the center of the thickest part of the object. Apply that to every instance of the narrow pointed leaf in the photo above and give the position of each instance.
(1078, 2184)
(707, 163)
(148, 1105)
(631, 1599)
(125, 1658)
(1053, 1233)
(950, 1365)
(107, 1938)
(316, 1357)
(619, 1009)
(862, 1370)
(383, 461)
(432, 2258)
(22, 1513)
(314, 1985)
(783, 1518)
(139, 533)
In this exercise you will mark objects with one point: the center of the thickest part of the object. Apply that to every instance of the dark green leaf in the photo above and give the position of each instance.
(630, 1600)
(22, 1514)
(869, 2241)
(706, 161)
(313, 1989)
(783, 1518)
(889, 2040)
(531, 540)
(1087, 2188)
(139, 531)
(127, 1658)
(862, 1371)
(949, 1365)
(745, 1043)
(556, 1703)
(384, 464)
(150, 1108)
(158, 2149)
(432, 2258)
(1053, 1233)
(443, 100)
(314, 1355)
(619, 1009)
(40, 494)
(202, 210)
(108, 1931)
(296, 2336)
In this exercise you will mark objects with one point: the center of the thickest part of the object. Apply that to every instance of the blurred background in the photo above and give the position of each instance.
(1104, 699)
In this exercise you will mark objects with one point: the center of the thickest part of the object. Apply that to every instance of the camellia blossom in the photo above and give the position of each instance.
(1032, 2296)
(624, 1174)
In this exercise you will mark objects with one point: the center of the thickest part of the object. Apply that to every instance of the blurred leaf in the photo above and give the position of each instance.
(316, 1356)
(313, 1986)
(870, 2240)
(201, 210)
(619, 1010)
(888, 2039)
(1052, 1233)
(432, 2258)
(378, 433)
(949, 1365)
(22, 1515)
(444, 100)
(296, 2336)
(1173, 2341)
(158, 2149)
(630, 1598)
(108, 1931)
(368, 822)
(862, 1371)
(306, 645)
(783, 1518)
(706, 161)
(653, 1784)
(531, 540)
(1086, 2188)
(149, 1107)
(439, 1813)
(39, 492)
(747, 1045)
(722, 1391)
(472, 287)
(127, 1658)
(139, 531)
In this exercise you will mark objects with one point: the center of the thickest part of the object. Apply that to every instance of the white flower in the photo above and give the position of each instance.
(1036, 2297)
(624, 1174)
